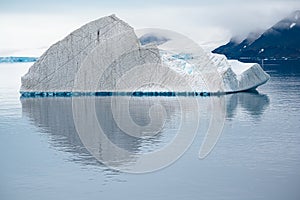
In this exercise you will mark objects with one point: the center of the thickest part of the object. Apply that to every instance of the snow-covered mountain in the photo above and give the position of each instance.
(281, 41)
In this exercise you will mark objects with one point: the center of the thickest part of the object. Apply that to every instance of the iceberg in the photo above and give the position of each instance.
(13, 59)
(106, 57)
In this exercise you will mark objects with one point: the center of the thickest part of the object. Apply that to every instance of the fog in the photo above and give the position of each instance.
(27, 29)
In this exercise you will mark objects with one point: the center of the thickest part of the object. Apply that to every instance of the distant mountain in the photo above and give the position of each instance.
(17, 59)
(153, 39)
(281, 41)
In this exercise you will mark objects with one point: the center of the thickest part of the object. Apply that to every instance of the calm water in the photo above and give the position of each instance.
(48, 148)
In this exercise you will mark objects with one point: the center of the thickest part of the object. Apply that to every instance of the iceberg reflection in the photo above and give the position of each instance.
(57, 117)
(136, 126)
(253, 103)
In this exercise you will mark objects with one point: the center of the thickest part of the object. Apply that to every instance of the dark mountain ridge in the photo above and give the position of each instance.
(280, 42)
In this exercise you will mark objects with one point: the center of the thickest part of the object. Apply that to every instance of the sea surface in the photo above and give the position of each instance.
(238, 146)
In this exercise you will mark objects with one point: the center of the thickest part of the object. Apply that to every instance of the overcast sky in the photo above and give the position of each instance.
(29, 27)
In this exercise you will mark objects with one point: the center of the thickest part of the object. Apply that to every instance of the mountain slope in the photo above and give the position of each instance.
(280, 41)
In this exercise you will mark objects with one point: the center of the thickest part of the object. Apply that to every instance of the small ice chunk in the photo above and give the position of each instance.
(292, 25)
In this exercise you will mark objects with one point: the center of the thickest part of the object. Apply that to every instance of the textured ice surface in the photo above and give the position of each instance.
(56, 69)
(206, 71)
(106, 56)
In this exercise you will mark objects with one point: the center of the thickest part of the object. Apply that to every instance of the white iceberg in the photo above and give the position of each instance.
(106, 57)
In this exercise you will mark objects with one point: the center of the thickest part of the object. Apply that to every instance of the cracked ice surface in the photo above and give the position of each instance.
(204, 70)
(56, 69)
